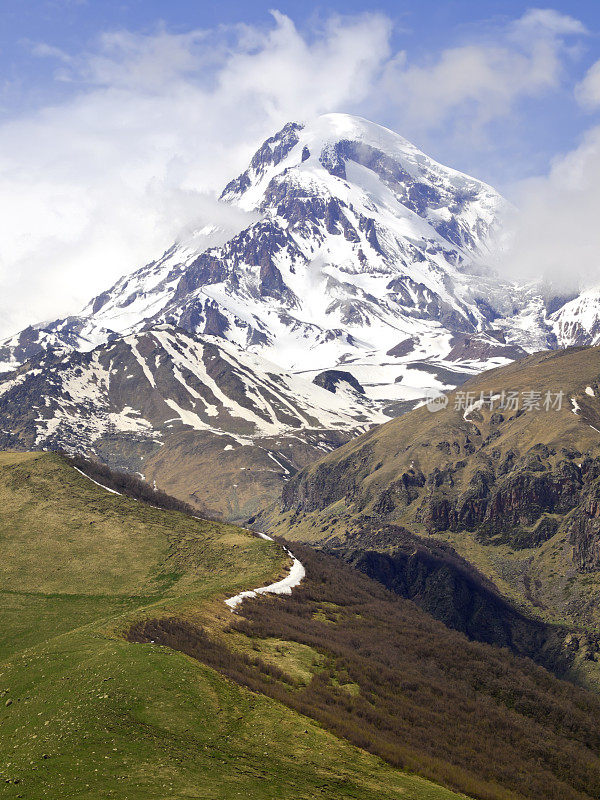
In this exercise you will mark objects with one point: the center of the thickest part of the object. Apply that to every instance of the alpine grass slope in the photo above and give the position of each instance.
(86, 714)
(105, 598)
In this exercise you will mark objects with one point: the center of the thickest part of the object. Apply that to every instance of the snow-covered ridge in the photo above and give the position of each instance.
(578, 321)
(354, 241)
(175, 381)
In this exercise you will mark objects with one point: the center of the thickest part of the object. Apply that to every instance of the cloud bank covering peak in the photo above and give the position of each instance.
(554, 234)
(150, 127)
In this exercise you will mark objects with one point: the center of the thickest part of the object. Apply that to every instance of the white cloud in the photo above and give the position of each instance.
(555, 235)
(546, 21)
(105, 181)
(480, 81)
(587, 91)
(43, 50)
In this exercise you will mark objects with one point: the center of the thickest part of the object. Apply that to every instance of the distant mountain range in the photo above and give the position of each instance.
(363, 269)
(184, 411)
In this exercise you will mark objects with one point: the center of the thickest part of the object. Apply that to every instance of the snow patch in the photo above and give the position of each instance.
(284, 586)
(575, 405)
(112, 491)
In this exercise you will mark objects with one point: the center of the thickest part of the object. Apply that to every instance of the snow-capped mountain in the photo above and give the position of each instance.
(361, 252)
(352, 280)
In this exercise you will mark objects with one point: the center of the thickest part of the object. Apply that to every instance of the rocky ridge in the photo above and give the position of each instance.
(513, 491)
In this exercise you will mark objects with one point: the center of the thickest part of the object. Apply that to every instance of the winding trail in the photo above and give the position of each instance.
(284, 586)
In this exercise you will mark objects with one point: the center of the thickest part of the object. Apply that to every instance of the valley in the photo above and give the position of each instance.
(511, 492)
(124, 672)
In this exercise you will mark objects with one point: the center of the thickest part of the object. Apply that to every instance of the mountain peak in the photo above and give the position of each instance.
(358, 255)
(338, 143)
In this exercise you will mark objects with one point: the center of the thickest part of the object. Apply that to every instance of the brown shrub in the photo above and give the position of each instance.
(130, 485)
(475, 718)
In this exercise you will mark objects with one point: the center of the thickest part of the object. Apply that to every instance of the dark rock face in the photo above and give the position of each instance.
(503, 509)
(510, 507)
(32, 342)
(206, 269)
(271, 153)
(521, 501)
(216, 323)
(100, 301)
(256, 246)
(192, 318)
(330, 379)
(481, 346)
(304, 211)
(585, 531)
(427, 305)
(271, 281)
(438, 580)
(29, 345)
(332, 158)
(370, 230)
(329, 484)
(403, 348)
(403, 491)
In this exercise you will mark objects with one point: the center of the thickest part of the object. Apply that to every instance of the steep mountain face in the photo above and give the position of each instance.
(359, 252)
(512, 487)
(436, 578)
(351, 261)
(578, 321)
(216, 425)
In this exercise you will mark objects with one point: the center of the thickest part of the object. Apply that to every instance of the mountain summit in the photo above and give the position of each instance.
(361, 269)
(360, 252)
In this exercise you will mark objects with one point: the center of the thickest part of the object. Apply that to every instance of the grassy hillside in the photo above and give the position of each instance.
(515, 492)
(394, 681)
(86, 714)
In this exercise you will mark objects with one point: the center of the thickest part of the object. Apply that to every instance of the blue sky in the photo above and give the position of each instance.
(538, 128)
(119, 121)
